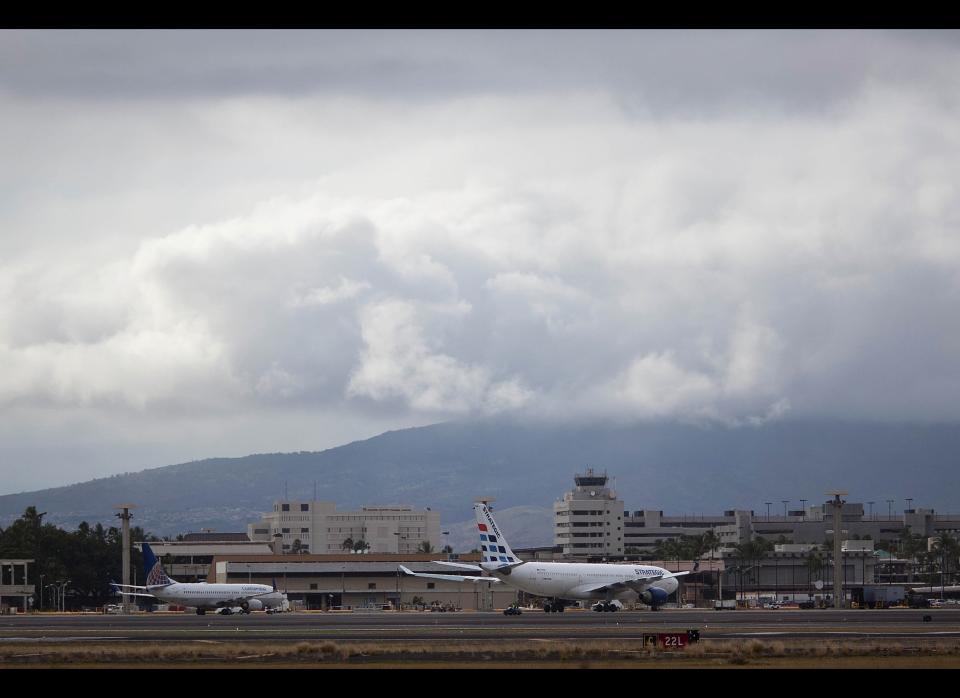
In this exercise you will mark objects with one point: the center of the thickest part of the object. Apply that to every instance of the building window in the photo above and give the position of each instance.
(304, 507)
(285, 507)
(304, 530)
(285, 530)
(313, 587)
(372, 585)
(431, 585)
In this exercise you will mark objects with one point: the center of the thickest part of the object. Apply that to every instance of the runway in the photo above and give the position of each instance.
(490, 626)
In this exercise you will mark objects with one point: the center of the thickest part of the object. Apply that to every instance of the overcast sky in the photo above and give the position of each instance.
(215, 243)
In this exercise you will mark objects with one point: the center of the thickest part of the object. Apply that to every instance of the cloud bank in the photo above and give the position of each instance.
(593, 249)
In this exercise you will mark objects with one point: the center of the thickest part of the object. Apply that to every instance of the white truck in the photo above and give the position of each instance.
(725, 605)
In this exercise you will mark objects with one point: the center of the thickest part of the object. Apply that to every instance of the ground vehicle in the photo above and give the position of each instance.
(773, 604)
(725, 604)
(512, 611)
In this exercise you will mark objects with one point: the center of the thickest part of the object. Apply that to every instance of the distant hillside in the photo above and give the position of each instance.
(681, 469)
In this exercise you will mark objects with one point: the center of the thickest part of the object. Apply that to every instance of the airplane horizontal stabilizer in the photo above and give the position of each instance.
(459, 565)
(449, 577)
(117, 592)
(127, 586)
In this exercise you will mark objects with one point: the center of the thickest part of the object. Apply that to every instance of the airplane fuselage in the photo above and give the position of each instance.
(203, 595)
(573, 580)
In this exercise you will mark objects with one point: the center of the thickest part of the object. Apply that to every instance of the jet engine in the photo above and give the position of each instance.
(654, 596)
(254, 605)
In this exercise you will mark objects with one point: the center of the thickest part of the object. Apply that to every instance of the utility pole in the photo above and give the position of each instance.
(837, 549)
(125, 517)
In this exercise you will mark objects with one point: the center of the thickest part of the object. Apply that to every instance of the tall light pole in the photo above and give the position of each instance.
(837, 549)
(871, 510)
(125, 517)
(909, 503)
(768, 510)
(785, 502)
(803, 507)
(889, 508)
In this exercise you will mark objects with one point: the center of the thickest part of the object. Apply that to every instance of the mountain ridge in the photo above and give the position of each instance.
(679, 468)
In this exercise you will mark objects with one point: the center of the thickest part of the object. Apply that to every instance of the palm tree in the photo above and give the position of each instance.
(361, 546)
(912, 546)
(425, 547)
(347, 544)
(947, 551)
(710, 542)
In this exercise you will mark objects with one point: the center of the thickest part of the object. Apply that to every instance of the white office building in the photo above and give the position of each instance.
(318, 528)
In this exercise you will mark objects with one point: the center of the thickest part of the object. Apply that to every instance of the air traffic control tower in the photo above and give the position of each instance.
(588, 521)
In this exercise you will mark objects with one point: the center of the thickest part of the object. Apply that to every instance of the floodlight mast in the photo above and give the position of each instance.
(838, 503)
(125, 517)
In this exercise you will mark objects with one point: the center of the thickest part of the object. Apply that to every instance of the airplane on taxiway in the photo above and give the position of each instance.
(560, 582)
(200, 595)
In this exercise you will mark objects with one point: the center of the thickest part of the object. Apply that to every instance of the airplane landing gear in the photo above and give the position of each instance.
(604, 606)
(554, 607)
(201, 611)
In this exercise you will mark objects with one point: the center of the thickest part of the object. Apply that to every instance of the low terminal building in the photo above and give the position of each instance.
(356, 581)
(189, 560)
(16, 591)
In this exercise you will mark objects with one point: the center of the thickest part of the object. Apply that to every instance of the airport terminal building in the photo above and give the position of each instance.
(352, 581)
(590, 522)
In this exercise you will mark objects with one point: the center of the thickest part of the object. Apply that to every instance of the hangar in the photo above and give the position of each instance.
(352, 581)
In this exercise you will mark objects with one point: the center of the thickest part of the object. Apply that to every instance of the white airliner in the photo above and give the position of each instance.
(202, 596)
(561, 581)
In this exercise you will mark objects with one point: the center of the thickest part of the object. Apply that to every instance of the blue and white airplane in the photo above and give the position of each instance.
(202, 596)
(560, 581)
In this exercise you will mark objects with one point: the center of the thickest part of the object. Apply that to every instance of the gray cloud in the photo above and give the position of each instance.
(327, 233)
(659, 70)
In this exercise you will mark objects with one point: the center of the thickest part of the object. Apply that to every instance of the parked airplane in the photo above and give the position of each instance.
(202, 596)
(561, 582)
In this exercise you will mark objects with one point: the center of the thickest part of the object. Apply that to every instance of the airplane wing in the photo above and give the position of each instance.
(449, 577)
(266, 593)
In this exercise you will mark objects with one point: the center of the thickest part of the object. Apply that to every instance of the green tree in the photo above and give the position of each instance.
(946, 553)
(89, 558)
(425, 547)
(347, 544)
(710, 542)
(361, 546)
(814, 565)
